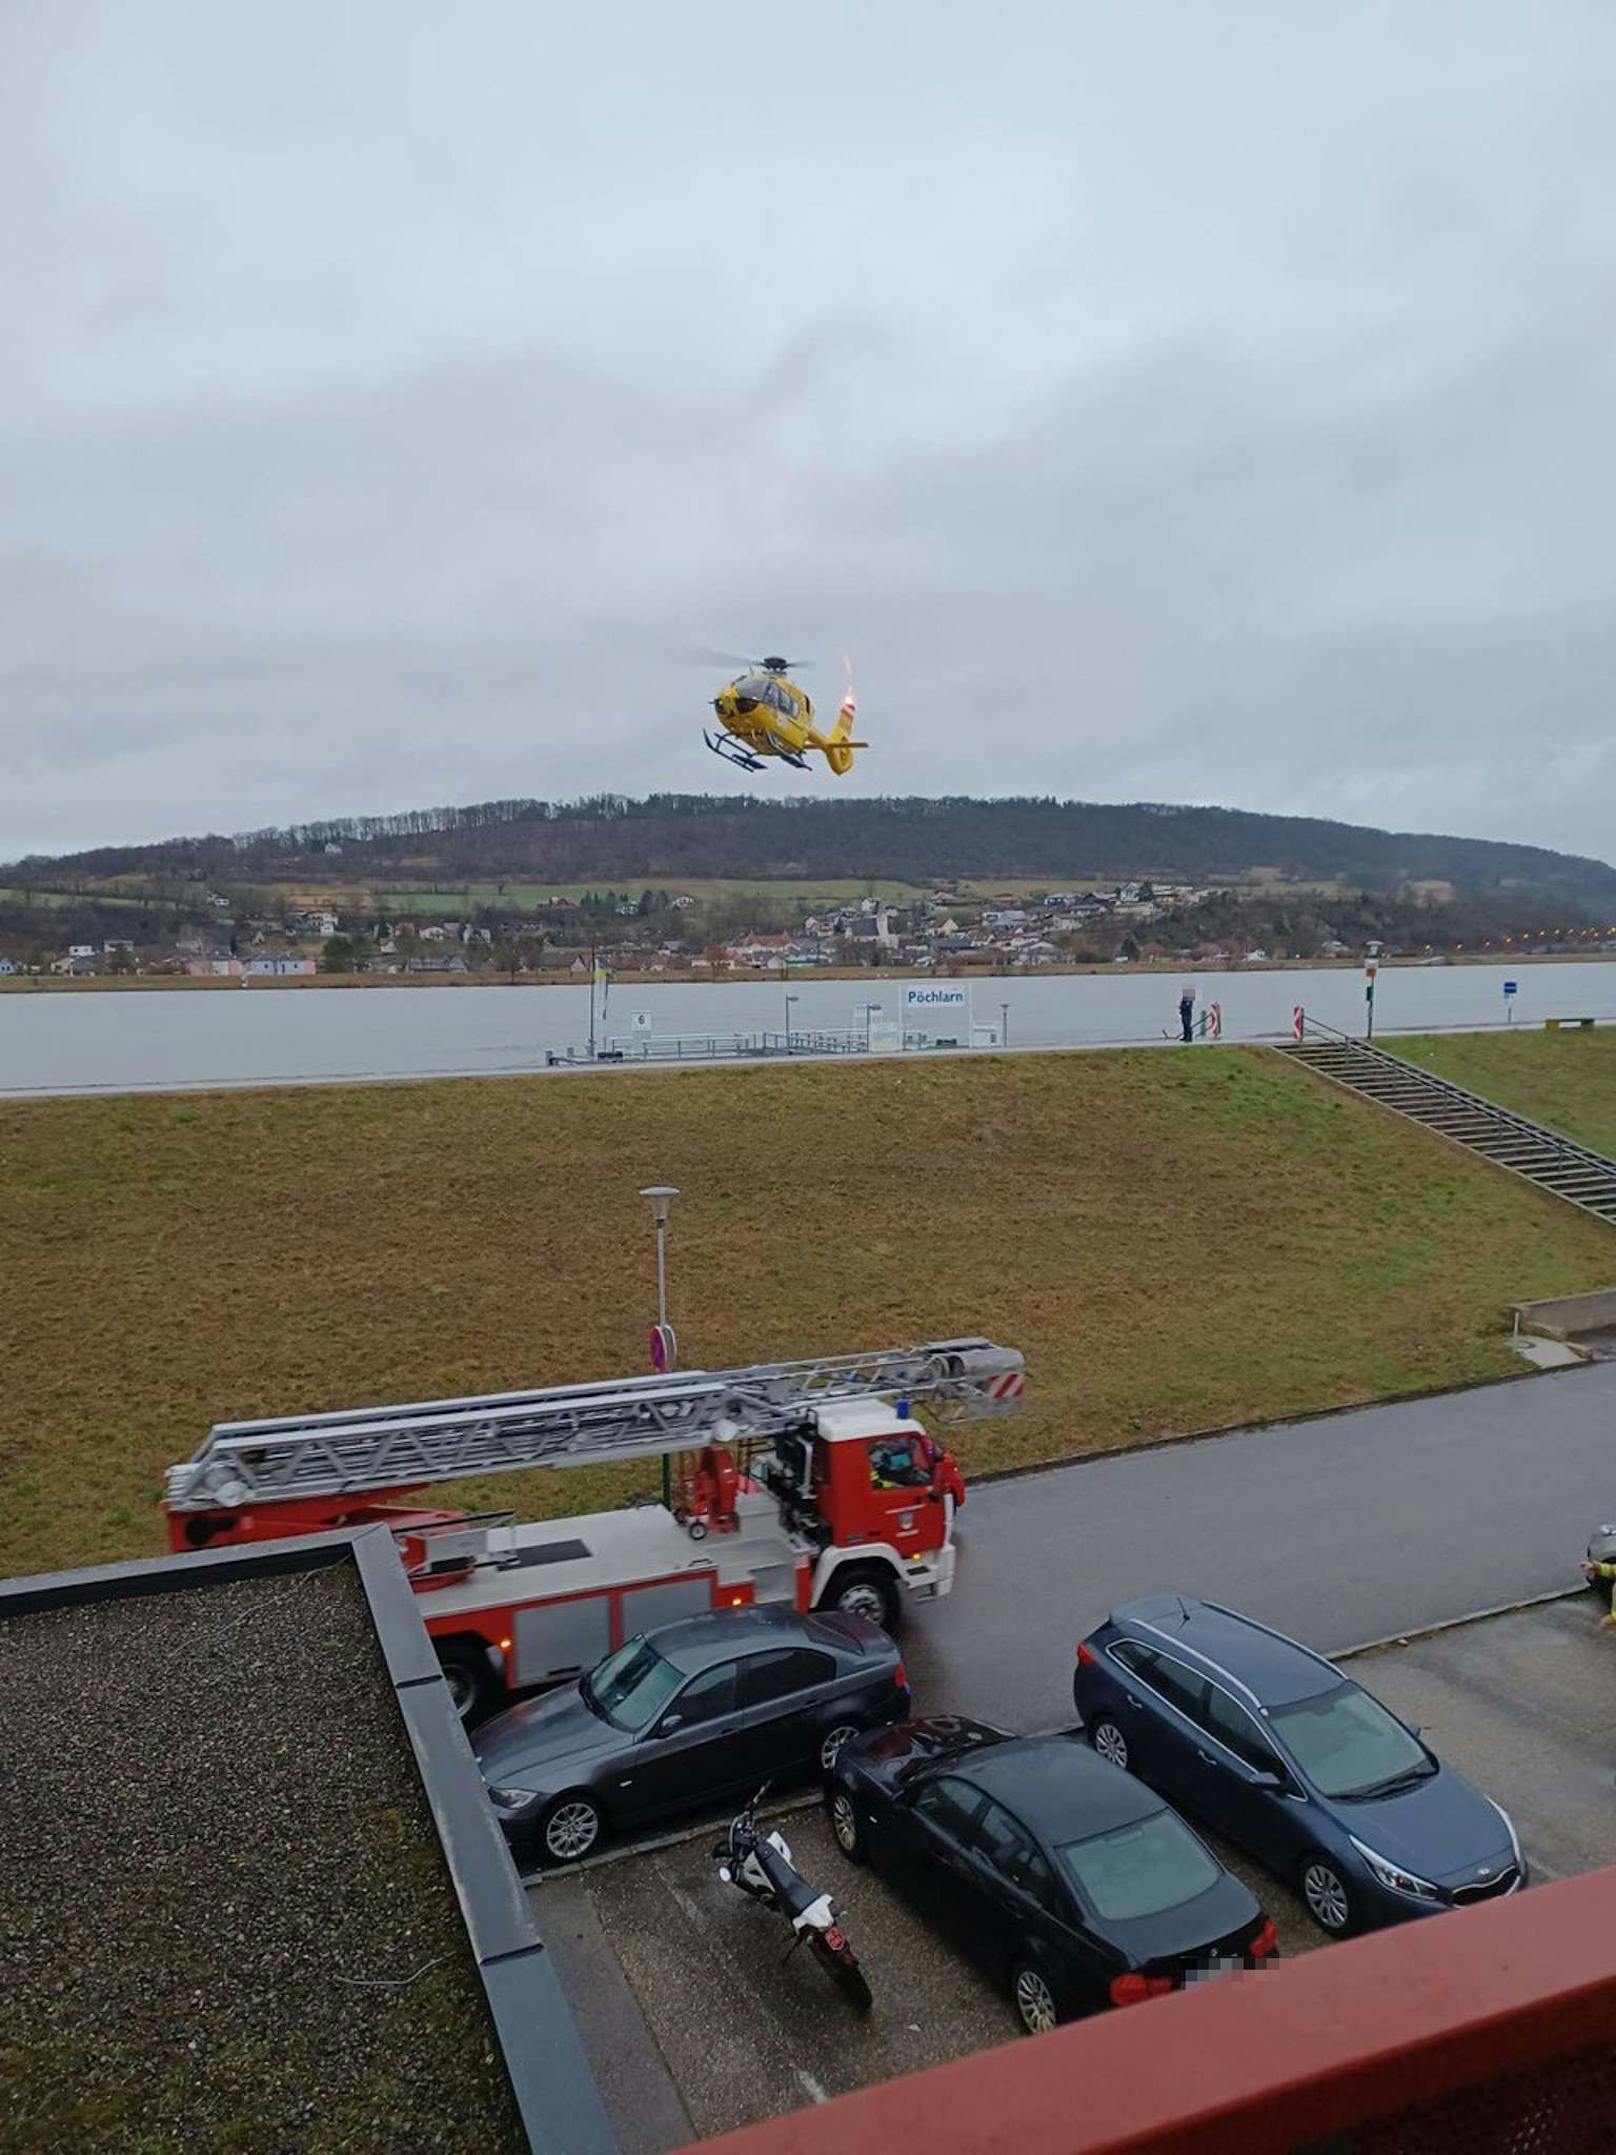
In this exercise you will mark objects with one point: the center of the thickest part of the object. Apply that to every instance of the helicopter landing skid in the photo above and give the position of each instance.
(733, 751)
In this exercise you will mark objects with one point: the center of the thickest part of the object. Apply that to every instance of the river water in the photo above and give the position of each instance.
(109, 1041)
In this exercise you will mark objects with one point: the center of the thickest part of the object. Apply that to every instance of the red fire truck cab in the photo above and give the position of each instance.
(841, 1499)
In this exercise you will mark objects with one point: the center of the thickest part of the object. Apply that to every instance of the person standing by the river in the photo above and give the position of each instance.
(1186, 1012)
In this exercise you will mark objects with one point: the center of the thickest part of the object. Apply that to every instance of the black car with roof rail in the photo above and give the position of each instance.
(1072, 1883)
(1268, 1743)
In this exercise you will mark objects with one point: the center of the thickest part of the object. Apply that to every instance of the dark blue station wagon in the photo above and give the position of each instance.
(1272, 1746)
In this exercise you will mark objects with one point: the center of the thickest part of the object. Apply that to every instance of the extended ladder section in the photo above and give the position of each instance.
(317, 1455)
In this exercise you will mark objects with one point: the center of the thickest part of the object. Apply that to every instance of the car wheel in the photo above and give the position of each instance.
(1038, 2008)
(1110, 1742)
(1328, 1901)
(571, 1827)
(848, 1827)
(831, 1744)
(468, 1676)
(864, 1590)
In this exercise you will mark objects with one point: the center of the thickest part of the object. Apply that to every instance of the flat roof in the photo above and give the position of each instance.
(252, 1893)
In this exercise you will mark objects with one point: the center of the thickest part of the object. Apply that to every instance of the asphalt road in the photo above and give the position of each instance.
(1349, 1528)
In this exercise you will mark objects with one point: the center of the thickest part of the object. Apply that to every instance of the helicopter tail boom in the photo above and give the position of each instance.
(840, 746)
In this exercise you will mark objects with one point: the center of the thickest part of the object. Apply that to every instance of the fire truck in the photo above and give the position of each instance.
(813, 1484)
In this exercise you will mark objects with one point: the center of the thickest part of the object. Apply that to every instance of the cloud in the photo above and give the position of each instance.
(1151, 413)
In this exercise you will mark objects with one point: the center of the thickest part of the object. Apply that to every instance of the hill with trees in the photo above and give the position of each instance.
(614, 839)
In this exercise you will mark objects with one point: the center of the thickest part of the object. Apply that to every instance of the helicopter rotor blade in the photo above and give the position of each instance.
(699, 654)
(710, 655)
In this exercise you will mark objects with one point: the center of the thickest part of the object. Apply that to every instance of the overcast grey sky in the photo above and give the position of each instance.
(1159, 398)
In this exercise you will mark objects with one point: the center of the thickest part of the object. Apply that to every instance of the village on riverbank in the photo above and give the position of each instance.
(492, 934)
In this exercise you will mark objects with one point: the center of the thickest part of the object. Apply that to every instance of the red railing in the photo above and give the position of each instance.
(1489, 2031)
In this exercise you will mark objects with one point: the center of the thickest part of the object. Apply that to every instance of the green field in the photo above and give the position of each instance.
(461, 897)
(1564, 1079)
(1174, 1242)
(61, 897)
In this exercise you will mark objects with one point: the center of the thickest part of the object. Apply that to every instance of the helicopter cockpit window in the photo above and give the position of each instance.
(757, 688)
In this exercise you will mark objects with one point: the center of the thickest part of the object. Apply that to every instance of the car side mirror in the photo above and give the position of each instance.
(1264, 1777)
(670, 1724)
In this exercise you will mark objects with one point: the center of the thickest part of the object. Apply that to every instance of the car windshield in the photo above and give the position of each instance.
(631, 1687)
(1349, 1745)
(1141, 1869)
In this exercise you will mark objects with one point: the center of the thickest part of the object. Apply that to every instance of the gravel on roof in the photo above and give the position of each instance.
(225, 1919)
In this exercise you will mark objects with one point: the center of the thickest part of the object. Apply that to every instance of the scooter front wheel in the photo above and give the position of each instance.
(843, 1969)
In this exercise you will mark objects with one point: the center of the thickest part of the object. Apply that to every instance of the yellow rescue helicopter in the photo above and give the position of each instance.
(762, 713)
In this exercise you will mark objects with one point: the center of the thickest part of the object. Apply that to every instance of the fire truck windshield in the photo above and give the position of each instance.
(631, 1687)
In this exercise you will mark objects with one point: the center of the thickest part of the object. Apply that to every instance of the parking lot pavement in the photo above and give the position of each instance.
(696, 2024)
(1522, 1705)
(730, 2031)
(746, 2033)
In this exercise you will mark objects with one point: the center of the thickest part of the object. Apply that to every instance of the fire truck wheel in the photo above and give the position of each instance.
(864, 1590)
(466, 1672)
(571, 1827)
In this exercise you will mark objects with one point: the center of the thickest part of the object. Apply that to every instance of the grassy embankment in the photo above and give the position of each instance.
(1564, 1079)
(1174, 1241)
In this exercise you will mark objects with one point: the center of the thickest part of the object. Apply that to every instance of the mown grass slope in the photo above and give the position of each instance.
(1564, 1079)
(1174, 1240)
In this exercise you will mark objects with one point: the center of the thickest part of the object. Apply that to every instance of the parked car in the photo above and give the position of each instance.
(1073, 1883)
(1272, 1746)
(684, 1714)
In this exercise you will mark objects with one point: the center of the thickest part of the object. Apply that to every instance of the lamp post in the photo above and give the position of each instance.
(1004, 1025)
(790, 999)
(869, 1010)
(660, 1196)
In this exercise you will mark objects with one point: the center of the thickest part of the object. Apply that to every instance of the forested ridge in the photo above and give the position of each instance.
(914, 839)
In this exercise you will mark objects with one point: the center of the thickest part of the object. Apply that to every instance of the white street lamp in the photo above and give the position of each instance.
(660, 1196)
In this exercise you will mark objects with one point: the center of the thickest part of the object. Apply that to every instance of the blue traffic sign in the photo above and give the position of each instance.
(1510, 986)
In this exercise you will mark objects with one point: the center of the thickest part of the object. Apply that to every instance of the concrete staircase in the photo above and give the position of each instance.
(1582, 1177)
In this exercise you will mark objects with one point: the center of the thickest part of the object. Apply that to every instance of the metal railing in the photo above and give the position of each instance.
(732, 1047)
(1538, 1133)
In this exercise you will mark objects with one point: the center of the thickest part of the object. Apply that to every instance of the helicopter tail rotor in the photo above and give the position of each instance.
(839, 749)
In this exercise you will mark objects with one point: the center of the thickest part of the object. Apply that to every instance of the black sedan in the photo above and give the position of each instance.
(684, 1714)
(1074, 1883)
